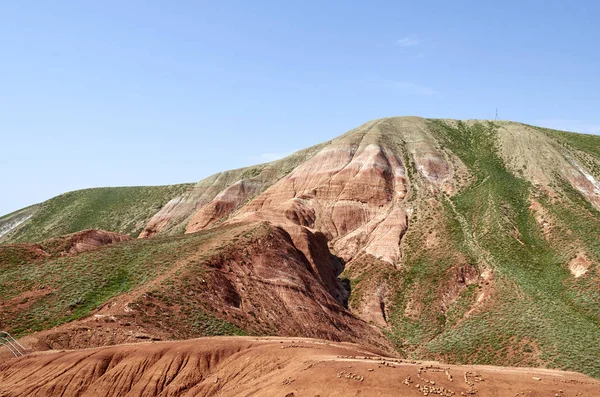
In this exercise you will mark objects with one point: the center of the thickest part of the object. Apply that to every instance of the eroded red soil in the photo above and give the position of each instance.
(245, 366)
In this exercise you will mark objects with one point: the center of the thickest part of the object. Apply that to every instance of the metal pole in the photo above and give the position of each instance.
(9, 347)
(13, 339)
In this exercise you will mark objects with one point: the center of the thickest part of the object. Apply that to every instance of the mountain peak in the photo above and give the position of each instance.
(443, 239)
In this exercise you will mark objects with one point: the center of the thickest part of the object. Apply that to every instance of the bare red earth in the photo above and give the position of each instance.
(246, 366)
(85, 240)
(255, 276)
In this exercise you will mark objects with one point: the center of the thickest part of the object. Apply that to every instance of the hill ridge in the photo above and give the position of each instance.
(461, 241)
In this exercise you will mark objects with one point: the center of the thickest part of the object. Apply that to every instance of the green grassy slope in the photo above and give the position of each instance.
(10, 222)
(124, 210)
(537, 312)
(42, 292)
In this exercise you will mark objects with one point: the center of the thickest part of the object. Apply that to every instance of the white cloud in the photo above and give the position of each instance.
(570, 125)
(408, 41)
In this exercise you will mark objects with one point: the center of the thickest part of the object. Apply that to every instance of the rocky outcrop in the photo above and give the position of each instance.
(79, 242)
(584, 182)
(579, 265)
(179, 209)
(70, 244)
(224, 203)
(234, 187)
(351, 193)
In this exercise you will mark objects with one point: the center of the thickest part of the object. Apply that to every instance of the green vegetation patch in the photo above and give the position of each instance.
(584, 142)
(584, 147)
(206, 324)
(532, 301)
(15, 255)
(124, 210)
(39, 295)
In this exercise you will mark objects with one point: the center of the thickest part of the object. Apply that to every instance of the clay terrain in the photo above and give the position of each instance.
(246, 366)
(460, 242)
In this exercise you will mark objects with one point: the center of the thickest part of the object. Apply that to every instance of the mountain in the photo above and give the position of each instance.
(460, 241)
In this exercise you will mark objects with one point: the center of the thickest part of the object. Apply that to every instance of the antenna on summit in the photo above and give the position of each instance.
(496, 114)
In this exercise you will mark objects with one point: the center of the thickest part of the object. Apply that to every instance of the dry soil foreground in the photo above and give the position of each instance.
(246, 366)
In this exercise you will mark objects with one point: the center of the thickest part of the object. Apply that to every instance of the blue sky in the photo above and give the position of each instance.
(156, 92)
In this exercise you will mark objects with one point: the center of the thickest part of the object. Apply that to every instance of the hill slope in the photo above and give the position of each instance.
(122, 209)
(460, 241)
